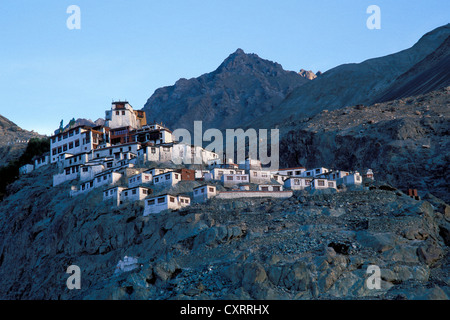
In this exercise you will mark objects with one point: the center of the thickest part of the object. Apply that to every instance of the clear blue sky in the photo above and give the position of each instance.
(128, 49)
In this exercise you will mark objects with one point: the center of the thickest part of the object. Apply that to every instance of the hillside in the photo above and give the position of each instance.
(404, 141)
(310, 246)
(430, 74)
(243, 87)
(13, 140)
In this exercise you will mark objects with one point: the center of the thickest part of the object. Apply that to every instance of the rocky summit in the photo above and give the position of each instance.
(313, 245)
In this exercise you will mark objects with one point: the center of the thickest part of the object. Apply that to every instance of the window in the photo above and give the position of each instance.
(203, 190)
(106, 193)
(244, 177)
(65, 147)
(117, 113)
(99, 179)
(211, 189)
(71, 134)
(151, 202)
(59, 138)
(156, 180)
(123, 113)
(144, 191)
(147, 177)
(54, 152)
(91, 184)
(317, 170)
(176, 176)
(358, 178)
(308, 173)
(265, 188)
(264, 175)
(276, 188)
(172, 199)
(85, 169)
(77, 143)
(161, 200)
(133, 191)
(196, 192)
(330, 184)
(297, 173)
(153, 150)
(296, 182)
(65, 136)
(129, 148)
(289, 173)
(105, 177)
(167, 176)
(255, 174)
(228, 178)
(126, 193)
(68, 171)
(321, 183)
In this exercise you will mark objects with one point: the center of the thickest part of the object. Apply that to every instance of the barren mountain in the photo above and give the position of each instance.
(358, 83)
(243, 87)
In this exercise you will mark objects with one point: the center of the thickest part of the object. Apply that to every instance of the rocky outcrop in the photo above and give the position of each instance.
(307, 74)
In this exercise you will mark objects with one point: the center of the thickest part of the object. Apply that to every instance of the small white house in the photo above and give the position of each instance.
(204, 192)
(156, 171)
(170, 178)
(292, 172)
(106, 178)
(217, 173)
(165, 202)
(320, 183)
(89, 171)
(352, 179)
(114, 194)
(297, 183)
(200, 174)
(315, 172)
(69, 173)
(270, 187)
(259, 176)
(134, 194)
(278, 178)
(230, 180)
(139, 179)
(41, 161)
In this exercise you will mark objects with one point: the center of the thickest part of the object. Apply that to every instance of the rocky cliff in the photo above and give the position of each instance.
(243, 87)
(310, 246)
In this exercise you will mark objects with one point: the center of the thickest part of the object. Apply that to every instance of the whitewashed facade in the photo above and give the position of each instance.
(204, 192)
(165, 202)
